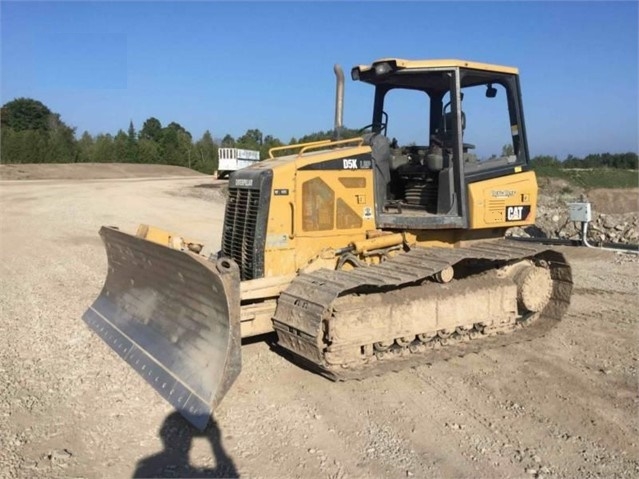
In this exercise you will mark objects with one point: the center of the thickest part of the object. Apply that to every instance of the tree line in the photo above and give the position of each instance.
(623, 161)
(32, 133)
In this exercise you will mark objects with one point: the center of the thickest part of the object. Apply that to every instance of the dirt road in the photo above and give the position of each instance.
(562, 407)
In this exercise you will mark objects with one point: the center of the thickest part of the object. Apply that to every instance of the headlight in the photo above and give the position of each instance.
(382, 68)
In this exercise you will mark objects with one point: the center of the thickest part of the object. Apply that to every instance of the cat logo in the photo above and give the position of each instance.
(517, 213)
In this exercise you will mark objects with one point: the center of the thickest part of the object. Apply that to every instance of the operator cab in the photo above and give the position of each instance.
(439, 106)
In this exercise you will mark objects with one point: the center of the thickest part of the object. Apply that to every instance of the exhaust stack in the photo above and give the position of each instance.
(339, 100)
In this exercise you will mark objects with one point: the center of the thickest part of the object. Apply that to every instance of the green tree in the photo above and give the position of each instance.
(169, 147)
(148, 151)
(25, 114)
(40, 135)
(545, 161)
(572, 162)
(251, 140)
(205, 153)
(120, 147)
(175, 145)
(228, 141)
(151, 130)
(9, 146)
(104, 151)
(85, 148)
(177, 127)
(269, 142)
(62, 146)
(626, 161)
(27, 146)
(185, 147)
(345, 133)
(131, 144)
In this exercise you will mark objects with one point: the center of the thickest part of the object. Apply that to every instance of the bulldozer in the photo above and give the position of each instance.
(360, 255)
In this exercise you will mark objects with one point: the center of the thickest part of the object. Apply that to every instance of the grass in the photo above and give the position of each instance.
(593, 178)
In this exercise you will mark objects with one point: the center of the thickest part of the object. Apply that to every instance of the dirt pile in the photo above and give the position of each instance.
(614, 228)
(615, 214)
(555, 223)
(85, 171)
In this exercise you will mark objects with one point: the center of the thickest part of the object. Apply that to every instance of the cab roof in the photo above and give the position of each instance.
(402, 64)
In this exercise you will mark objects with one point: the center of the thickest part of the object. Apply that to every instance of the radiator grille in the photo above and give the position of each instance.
(240, 228)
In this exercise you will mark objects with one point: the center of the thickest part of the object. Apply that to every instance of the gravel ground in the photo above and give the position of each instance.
(564, 406)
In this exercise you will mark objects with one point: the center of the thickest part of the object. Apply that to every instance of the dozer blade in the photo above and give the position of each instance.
(174, 317)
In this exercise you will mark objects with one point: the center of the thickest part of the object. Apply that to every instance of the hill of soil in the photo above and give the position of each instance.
(86, 171)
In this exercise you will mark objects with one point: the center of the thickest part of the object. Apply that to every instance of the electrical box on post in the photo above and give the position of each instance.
(581, 212)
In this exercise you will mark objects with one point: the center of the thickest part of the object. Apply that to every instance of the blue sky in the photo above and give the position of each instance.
(228, 67)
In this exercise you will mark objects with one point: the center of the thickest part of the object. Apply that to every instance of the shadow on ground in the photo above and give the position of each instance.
(177, 436)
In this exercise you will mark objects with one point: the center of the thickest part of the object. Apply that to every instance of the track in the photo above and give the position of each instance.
(307, 308)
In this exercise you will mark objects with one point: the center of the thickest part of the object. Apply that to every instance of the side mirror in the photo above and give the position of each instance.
(491, 91)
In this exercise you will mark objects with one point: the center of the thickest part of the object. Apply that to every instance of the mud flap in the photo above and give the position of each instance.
(174, 317)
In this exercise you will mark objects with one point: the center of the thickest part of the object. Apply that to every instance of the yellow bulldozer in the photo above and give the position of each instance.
(361, 255)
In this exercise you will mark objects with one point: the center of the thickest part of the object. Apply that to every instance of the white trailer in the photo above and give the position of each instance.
(232, 159)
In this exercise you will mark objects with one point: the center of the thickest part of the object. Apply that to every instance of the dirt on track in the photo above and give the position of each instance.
(564, 406)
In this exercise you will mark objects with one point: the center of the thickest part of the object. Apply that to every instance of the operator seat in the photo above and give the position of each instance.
(446, 196)
(446, 132)
(447, 129)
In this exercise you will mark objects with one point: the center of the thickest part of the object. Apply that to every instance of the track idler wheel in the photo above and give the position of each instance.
(534, 287)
